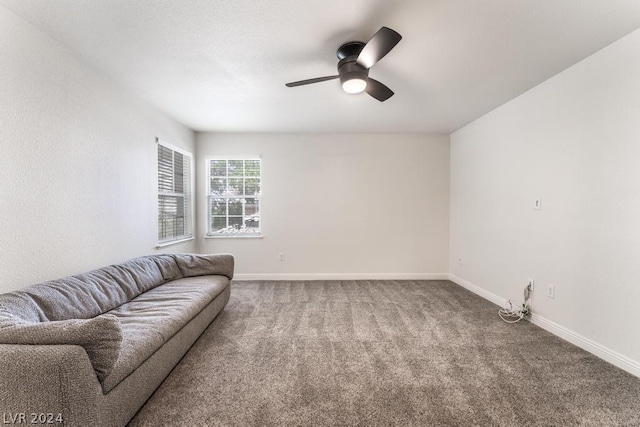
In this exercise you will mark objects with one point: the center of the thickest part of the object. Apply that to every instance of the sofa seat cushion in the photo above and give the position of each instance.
(151, 319)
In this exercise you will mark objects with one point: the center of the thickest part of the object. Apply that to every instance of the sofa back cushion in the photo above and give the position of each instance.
(145, 273)
(82, 296)
(192, 265)
(88, 295)
(168, 267)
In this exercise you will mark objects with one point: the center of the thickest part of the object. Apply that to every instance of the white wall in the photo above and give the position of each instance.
(574, 141)
(78, 162)
(340, 205)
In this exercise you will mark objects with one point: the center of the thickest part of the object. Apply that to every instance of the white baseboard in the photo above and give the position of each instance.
(342, 276)
(592, 347)
(478, 290)
(604, 353)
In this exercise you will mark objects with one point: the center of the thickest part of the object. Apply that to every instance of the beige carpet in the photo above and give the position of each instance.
(384, 353)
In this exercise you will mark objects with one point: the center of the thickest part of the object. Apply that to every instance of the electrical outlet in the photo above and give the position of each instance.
(530, 284)
(281, 256)
(551, 291)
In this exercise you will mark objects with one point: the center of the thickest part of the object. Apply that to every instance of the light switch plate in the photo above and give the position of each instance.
(537, 205)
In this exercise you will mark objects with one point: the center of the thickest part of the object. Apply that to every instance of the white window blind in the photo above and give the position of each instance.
(174, 193)
(234, 197)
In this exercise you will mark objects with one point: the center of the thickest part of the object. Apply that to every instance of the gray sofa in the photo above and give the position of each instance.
(90, 349)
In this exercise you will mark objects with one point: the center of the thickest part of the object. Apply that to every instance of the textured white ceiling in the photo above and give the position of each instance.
(222, 65)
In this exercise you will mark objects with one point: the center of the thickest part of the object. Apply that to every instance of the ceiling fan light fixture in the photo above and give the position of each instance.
(355, 85)
(353, 77)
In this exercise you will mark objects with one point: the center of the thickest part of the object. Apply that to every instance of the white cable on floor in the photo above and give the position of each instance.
(512, 315)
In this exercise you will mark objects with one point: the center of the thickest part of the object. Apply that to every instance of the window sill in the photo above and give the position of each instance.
(229, 236)
(173, 242)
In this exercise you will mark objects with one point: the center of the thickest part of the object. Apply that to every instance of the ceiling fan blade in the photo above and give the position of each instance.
(380, 44)
(310, 81)
(378, 90)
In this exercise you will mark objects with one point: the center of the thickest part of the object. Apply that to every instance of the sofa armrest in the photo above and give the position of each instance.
(56, 382)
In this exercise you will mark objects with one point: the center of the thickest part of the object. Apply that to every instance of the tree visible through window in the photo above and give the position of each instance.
(234, 197)
(174, 194)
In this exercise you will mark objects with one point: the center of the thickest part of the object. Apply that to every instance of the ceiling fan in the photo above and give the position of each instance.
(355, 60)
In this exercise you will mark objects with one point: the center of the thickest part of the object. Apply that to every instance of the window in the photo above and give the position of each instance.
(234, 197)
(174, 194)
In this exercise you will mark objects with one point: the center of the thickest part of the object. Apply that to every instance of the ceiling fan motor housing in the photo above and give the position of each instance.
(348, 69)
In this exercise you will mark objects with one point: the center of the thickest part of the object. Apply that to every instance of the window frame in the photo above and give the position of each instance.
(209, 196)
(188, 194)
